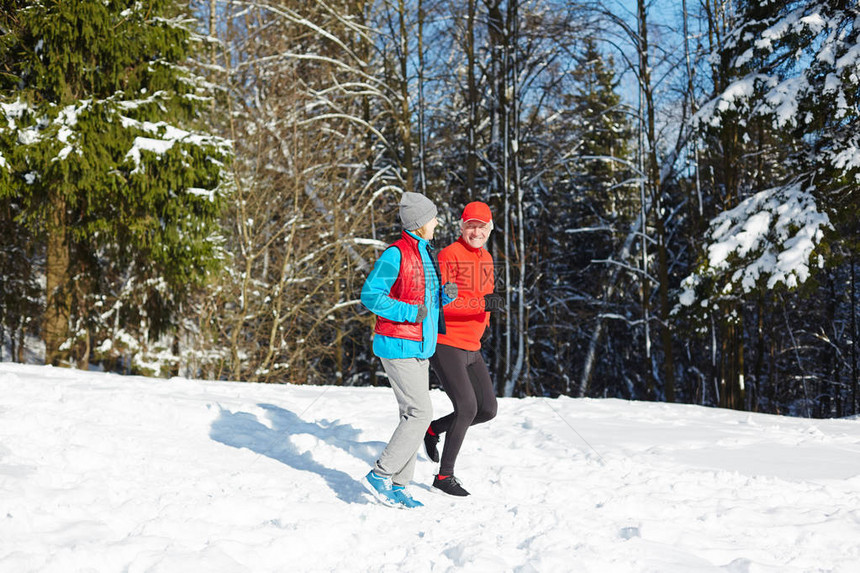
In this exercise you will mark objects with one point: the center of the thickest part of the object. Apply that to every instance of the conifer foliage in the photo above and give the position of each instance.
(797, 67)
(778, 249)
(102, 162)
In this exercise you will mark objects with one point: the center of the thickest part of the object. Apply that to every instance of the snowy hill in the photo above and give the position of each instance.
(107, 473)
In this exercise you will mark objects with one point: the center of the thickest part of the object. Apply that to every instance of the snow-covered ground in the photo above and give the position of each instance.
(107, 473)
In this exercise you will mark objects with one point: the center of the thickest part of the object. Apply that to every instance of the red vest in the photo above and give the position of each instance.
(409, 287)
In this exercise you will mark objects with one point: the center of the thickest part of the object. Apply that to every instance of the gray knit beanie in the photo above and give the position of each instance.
(416, 210)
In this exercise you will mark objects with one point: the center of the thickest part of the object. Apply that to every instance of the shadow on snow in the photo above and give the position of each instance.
(244, 430)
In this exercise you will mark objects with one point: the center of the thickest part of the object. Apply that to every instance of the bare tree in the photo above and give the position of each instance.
(308, 110)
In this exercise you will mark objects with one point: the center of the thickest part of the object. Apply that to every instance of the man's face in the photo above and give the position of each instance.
(476, 233)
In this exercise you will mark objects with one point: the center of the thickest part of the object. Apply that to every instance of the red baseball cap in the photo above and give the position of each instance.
(477, 211)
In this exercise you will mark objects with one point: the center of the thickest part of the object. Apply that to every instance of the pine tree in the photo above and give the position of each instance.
(582, 211)
(98, 148)
(605, 202)
(797, 68)
(606, 133)
(791, 84)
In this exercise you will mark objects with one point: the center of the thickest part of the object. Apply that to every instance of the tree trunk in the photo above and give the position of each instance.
(472, 101)
(85, 347)
(405, 117)
(732, 365)
(665, 320)
(854, 376)
(514, 183)
(497, 183)
(22, 345)
(55, 330)
(591, 354)
(422, 152)
(758, 368)
(655, 187)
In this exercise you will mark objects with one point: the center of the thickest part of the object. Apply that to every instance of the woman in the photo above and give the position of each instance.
(458, 362)
(404, 292)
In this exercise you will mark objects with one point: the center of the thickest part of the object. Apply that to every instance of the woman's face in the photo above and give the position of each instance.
(426, 232)
(476, 233)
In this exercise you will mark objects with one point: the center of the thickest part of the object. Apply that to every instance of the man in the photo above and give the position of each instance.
(458, 362)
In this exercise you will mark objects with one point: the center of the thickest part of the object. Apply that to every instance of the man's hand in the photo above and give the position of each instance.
(450, 290)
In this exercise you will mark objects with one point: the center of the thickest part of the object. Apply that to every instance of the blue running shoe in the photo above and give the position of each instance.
(380, 488)
(405, 497)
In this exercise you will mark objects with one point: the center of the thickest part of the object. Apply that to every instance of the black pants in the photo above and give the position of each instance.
(467, 382)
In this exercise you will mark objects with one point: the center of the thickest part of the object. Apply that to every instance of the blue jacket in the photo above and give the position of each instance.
(375, 297)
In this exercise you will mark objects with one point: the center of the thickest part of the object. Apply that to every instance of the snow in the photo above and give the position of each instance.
(851, 58)
(100, 472)
(157, 146)
(67, 119)
(206, 193)
(848, 159)
(29, 136)
(783, 101)
(14, 111)
(824, 39)
(771, 235)
(168, 135)
(739, 91)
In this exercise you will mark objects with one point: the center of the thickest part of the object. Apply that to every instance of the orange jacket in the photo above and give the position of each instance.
(472, 271)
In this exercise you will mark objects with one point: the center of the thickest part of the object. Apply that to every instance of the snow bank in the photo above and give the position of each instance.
(107, 473)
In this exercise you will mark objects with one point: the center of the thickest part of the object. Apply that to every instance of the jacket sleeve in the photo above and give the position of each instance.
(375, 294)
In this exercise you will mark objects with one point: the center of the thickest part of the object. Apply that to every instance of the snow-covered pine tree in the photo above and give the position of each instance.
(601, 205)
(805, 83)
(101, 150)
(795, 71)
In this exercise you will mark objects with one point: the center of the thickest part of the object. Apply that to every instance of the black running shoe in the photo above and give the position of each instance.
(450, 485)
(430, 442)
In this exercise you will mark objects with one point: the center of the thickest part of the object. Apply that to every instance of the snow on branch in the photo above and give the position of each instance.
(768, 239)
(165, 136)
(807, 55)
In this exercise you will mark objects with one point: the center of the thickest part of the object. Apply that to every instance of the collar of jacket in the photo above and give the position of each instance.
(415, 237)
(469, 247)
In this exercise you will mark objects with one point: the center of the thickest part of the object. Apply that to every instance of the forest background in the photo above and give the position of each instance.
(200, 188)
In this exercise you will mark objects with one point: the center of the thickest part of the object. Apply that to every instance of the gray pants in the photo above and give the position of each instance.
(410, 380)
